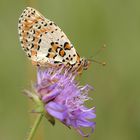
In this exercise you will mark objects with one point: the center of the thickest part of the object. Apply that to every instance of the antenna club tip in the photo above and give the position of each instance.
(104, 63)
(104, 45)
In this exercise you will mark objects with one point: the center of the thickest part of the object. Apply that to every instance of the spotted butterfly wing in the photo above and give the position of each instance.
(43, 41)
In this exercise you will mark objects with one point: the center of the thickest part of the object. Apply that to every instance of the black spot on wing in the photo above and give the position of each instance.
(56, 62)
(48, 55)
(39, 41)
(54, 56)
(38, 47)
(32, 46)
(52, 43)
(50, 49)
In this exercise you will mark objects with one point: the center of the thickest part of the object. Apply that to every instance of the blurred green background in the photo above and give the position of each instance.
(88, 24)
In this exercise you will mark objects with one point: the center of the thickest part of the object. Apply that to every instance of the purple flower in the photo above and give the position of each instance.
(64, 99)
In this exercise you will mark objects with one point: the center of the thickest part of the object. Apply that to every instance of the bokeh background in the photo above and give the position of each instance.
(89, 24)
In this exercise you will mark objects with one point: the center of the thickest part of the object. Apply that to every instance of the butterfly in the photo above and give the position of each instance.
(46, 44)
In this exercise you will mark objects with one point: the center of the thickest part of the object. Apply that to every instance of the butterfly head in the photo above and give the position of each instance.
(85, 63)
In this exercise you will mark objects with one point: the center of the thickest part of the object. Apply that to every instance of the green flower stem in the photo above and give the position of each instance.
(35, 126)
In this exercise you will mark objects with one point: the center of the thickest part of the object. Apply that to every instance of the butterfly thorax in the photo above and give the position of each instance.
(83, 64)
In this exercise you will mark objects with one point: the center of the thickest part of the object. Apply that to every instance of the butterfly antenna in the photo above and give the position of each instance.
(99, 51)
(103, 63)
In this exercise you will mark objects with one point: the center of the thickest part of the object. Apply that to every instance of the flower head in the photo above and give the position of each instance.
(64, 99)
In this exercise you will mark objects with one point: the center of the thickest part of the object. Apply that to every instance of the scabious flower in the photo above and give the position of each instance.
(63, 98)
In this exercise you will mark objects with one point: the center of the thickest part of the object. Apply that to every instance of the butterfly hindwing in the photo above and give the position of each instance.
(43, 41)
